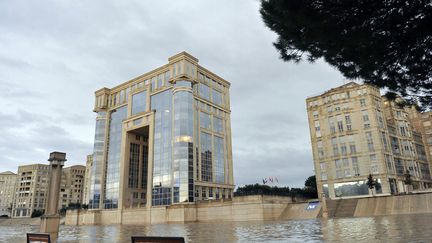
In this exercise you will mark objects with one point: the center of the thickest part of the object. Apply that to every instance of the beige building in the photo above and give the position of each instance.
(31, 189)
(87, 176)
(7, 191)
(163, 138)
(71, 190)
(356, 132)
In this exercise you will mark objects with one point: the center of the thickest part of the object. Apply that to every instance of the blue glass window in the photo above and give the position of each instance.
(217, 97)
(139, 102)
(112, 179)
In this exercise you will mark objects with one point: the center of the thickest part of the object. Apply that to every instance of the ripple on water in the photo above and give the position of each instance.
(400, 228)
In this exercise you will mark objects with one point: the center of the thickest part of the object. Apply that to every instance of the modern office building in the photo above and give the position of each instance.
(356, 132)
(87, 176)
(72, 185)
(163, 138)
(7, 191)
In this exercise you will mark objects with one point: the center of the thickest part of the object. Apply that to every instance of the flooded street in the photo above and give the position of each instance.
(401, 228)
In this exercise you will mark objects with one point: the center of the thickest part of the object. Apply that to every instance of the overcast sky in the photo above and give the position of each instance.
(55, 54)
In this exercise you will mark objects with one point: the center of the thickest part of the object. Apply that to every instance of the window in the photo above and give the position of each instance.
(347, 172)
(218, 124)
(362, 102)
(353, 149)
(365, 116)
(315, 114)
(320, 149)
(332, 125)
(343, 148)
(355, 166)
(139, 102)
(204, 91)
(217, 97)
(338, 163)
(339, 174)
(347, 119)
(317, 129)
(372, 158)
(323, 166)
(369, 140)
(340, 123)
(205, 120)
(374, 168)
(323, 176)
(335, 147)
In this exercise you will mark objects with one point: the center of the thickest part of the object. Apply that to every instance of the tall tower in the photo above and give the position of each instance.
(163, 138)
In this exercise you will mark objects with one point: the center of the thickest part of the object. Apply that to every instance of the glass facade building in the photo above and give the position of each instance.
(163, 138)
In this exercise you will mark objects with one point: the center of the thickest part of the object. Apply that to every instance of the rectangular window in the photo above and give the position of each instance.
(218, 125)
(343, 149)
(204, 91)
(362, 102)
(139, 101)
(332, 125)
(217, 97)
(206, 157)
(335, 147)
(355, 166)
(323, 176)
(323, 166)
(353, 149)
(205, 120)
(338, 163)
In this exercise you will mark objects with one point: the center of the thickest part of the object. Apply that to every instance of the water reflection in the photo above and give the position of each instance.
(401, 228)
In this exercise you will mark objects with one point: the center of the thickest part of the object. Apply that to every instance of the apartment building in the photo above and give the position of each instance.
(7, 191)
(356, 132)
(31, 188)
(72, 185)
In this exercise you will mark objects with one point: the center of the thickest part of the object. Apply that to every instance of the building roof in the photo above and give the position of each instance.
(347, 85)
(7, 173)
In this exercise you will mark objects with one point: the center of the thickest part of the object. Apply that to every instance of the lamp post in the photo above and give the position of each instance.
(50, 221)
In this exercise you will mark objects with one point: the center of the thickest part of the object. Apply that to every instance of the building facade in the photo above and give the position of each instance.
(72, 185)
(87, 177)
(7, 191)
(356, 132)
(163, 138)
(31, 189)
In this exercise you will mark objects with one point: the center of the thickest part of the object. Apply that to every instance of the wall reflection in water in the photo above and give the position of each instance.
(401, 228)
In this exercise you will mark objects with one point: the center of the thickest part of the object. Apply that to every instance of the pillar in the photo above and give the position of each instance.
(324, 206)
(50, 221)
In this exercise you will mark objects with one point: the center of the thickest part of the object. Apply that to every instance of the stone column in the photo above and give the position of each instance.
(50, 221)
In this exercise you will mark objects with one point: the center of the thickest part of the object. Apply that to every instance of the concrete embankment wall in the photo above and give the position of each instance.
(299, 211)
(393, 205)
(243, 208)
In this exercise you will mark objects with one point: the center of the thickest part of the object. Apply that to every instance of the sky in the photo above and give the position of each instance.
(55, 54)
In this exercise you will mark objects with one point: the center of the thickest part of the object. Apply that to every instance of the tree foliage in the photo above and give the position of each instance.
(309, 191)
(37, 213)
(408, 179)
(384, 43)
(371, 183)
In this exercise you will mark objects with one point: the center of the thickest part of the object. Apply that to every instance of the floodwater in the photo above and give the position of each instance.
(400, 228)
